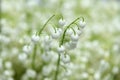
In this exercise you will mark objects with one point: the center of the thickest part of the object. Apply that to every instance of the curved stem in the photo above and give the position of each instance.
(63, 36)
(73, 30)
(61, 43)
(82, 19)
(45, 24)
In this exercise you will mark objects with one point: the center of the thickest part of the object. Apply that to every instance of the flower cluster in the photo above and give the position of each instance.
(66, 37)
(32, 48)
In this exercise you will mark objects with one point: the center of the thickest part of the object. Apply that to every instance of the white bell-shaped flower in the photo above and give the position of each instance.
(46, 57)
(35, 38)
(59, 30)
(72, 44)
(22, 57)
(69, 31)
(61, 49)
(62, 22)
(47, 39)
(31, 73)
(8, 65)
(79, 32)
(56, 35)
(46, 70)
(82, 24)
(74, 37)
(65, 58)
(27, 49)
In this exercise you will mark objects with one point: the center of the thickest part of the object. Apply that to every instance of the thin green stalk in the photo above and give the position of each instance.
(63, 36)
(33, 56)
(61, 43)
(73, 30)
(45, 24)
(57, 70)
(35, 46)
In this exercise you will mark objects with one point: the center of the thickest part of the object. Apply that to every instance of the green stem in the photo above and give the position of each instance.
(61, 43)
(63, 36)
(35, 46)
(73, 31)
(45, 24)
(57, 70)
(34, 55)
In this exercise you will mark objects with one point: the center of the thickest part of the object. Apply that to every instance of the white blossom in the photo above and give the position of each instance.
(65, 58)
(82, 24)
(61, 49)
(69, 31)
(8, 65)
(56, 35)
(31, 73)
(62, 22)
(35, 38)
(74, 37)
(27, 49)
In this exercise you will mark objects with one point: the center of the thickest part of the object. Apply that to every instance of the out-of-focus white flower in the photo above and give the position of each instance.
(4, 39)
(61, 49)
(97, 76)
(104, 65)
(46, 57)
(22, 57)
(82, 24)
(10, 78)
(8, 65)
(85, 75)
(47, 39)
(71, 45)
(62, 22)
(65, 58)
(35, 38)
(59, 30)
(27, 49)
(31, 73)
(46, 70)
(32, 3)
(8, 73)
(115, 69)
(68, 72)
(79, 32)
(84, 59)
(116, 47)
